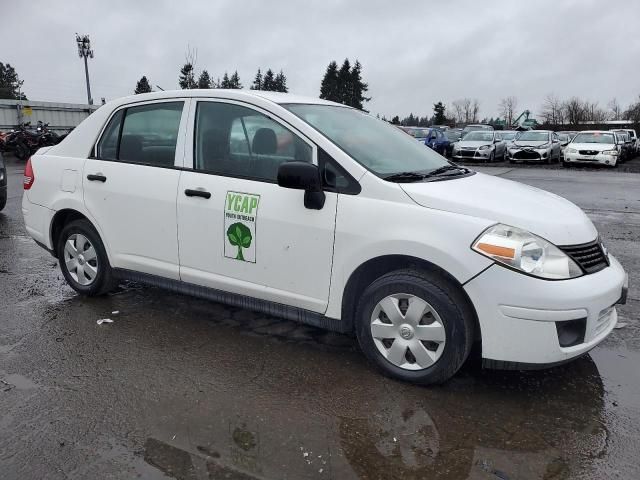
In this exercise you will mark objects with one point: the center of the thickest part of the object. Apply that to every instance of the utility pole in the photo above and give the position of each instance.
(85, 52)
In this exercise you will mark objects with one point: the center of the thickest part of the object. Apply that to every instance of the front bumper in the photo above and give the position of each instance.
(599, 158)
(472, 154)
(519, 315)
(530, 155)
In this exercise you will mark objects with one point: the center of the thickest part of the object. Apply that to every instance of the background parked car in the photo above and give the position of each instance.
(475, 127)
(419, 133)
(536, 146)
(3, 183)
(438, 141)
(481, 145)
(453, 135)
(509, 136)
(627, 145)
(593, 146)
(564, 138)
(633, 146)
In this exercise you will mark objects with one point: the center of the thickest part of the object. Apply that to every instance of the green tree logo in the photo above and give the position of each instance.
(239, 236)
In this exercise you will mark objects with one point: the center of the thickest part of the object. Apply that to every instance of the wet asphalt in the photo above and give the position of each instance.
(182, 388)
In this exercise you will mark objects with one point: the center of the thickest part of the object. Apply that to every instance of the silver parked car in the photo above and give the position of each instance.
(535, 146)
(480, 145)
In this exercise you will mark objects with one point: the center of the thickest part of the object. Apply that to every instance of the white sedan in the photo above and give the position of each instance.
(594, 146)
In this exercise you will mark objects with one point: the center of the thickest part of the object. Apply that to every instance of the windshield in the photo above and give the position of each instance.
(563, 137)
(479, 136)
(452, 135)
(533, 137)
(418, 132)
(509, 135)
(375, 144)
(595, 137)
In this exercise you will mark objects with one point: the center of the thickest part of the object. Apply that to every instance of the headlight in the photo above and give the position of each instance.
(571, 150)
(484, 147)
(526, 252)
(609, 152)
(544, 145)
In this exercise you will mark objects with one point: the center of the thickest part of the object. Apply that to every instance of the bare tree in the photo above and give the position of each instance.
(615, 109)
(553, 110)
(633, 112)
(507, 109)
(593, 112)
(475, 109)
(575, 111)
(458, 110)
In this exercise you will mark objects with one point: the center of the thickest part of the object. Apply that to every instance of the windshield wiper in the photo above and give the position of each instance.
(446, 168)
(405, 177)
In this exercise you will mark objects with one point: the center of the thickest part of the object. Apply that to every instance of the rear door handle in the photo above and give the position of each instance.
(97, 177)
(197, 193)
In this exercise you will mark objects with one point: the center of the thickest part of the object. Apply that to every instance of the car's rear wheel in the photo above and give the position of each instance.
(3, 198)
(415, 326)
(83, 259)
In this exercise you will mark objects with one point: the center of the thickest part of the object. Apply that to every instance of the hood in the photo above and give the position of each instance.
(473, 143)
(529, 143)
(504, 201)
(592, 146)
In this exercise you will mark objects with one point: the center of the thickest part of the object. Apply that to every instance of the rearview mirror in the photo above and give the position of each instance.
(303, 176)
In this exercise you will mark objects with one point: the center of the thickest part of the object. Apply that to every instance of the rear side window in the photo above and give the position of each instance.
(240, 142)
(144, 134)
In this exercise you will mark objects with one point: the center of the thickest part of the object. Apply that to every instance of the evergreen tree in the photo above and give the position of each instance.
(268, 82)
(395, 120)
(186, 80)
(329, 85)
(280, 83)
(345, 83)
(142, 86)
(439, 115)
(204, 80)
(257, 82)
(225, 81)
(10, 83)
(357, 88)
(234, 81)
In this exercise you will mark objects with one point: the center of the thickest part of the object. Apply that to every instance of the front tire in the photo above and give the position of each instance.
(415, 326)
(83, 259)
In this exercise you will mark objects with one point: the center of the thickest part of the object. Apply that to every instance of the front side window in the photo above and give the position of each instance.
(237, 141)
(375, 144)
(145, 134)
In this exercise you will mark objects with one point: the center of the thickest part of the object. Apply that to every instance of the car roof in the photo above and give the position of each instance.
(275, 97)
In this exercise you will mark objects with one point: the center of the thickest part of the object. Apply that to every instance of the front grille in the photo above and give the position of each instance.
(588, 152)
(467, 153)
(589, 256)
(526, 155)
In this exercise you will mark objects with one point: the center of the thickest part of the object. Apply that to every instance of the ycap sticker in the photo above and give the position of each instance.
(240, 212)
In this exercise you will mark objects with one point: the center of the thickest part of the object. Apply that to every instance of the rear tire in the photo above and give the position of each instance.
(432, 342)
(83, 259)
(3, 199)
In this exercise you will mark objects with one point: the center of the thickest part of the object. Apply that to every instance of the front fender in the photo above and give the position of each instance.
(374, 228)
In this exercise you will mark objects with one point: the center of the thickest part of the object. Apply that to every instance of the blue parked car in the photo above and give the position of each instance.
(438, 141)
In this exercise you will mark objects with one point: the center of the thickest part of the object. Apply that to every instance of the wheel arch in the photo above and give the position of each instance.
(60, 219)
(375, 267)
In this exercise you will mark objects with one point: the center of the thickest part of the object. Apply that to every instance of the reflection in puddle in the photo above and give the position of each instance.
(484, 425)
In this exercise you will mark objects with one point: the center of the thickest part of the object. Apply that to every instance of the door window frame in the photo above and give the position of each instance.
(179, 158)
(190, 157)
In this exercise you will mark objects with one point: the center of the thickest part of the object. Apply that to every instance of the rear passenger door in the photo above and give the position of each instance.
(238, 230)
(130, 186)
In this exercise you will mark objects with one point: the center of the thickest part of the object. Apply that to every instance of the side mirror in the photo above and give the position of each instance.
(303, 176)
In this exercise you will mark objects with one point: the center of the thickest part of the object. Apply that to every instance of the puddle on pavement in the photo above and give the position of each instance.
(492, 425)
(14, 380)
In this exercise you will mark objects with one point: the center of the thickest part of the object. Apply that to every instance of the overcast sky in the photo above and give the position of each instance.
(413, 53)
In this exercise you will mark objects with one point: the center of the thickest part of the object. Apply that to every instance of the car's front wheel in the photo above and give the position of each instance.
(83, 259)
(415, 326)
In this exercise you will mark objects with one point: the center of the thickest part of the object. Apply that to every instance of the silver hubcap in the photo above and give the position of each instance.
(80, 259)
(407, 331)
